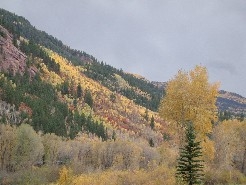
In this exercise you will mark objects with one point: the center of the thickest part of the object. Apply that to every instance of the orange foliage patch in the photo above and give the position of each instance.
(24, 108)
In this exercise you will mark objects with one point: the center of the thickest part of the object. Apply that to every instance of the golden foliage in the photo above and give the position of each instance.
(158, 176)
(65, 176)
(222, 176)
(208, 150)
(230, 145)
(190, 97)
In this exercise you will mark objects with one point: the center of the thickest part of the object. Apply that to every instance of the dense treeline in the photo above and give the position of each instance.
(227, 115)
(106, 75)
(22, 148)
(48, 114)
(28, 157)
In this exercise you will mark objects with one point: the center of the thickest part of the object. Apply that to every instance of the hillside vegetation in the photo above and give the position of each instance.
(67, 118)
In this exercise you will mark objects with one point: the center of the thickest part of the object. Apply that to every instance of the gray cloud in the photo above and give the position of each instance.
(153, 38)
(228, 67)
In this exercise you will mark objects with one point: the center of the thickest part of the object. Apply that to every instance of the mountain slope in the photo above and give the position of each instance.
(44, 86)
(140, 91)
(65, 91)
(232, 102)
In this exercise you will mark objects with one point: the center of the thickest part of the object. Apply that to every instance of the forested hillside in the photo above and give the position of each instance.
(139, 90)
(67, 118)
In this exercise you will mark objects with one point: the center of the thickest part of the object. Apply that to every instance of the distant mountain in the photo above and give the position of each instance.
(232, 102)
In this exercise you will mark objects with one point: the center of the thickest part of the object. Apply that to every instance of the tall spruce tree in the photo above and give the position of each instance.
(152, 123)
(79, 91)
(88, 98)
(190, 166)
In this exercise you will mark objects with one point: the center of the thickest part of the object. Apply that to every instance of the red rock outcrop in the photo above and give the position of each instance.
(12, 60)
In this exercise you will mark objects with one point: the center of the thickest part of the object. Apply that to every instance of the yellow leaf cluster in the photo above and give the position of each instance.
(159, 175)
(50, 76)
(190, 97)
(65, 176)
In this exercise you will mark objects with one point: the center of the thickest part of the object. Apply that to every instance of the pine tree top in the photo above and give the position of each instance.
(190, 167)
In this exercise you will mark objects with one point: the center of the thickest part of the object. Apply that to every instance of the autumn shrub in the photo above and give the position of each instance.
(168, 154)
(97, 156)
(34, 175)
(221, 176)
(65, 176)
(158, 176)
(29, 148)
(230, 145)
(52, 145)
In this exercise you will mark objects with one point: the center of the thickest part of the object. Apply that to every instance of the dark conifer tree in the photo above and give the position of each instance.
(190, 167)
(146, 116)
(152, 123)
(151, 143)
(88, 98)
(114, 135)
(79, 91)
(65, 88)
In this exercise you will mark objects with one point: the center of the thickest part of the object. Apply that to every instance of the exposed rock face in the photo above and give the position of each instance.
(11, 58)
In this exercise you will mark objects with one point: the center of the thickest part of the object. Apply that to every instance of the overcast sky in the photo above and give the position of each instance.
(153, 38)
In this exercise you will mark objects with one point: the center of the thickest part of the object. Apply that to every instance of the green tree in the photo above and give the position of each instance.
(151, 143)
(79, 91)
(114, 135)
(1, 49)
(112, 97)
(146, 115)
(152, 123)
(241, 117)
(65, 88)
(190, 167)
(88, 98)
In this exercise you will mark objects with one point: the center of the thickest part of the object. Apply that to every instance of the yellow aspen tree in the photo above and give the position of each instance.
(173, 106)
(190, 97)
(65, 176)
(202, 101)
